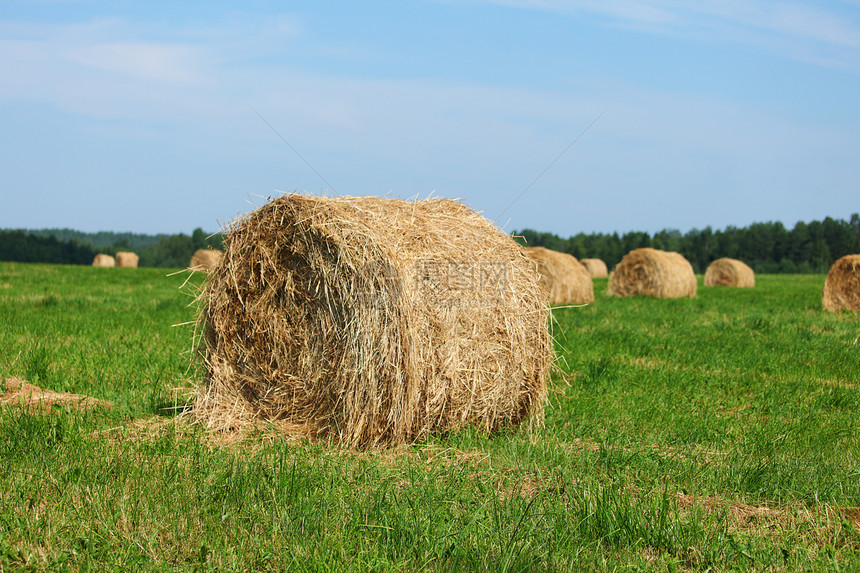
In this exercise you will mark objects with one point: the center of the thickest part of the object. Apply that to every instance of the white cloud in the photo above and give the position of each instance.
(85, 69)
(802, 31)
(176, 64)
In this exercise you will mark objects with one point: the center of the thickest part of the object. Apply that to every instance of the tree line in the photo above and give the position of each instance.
(64, 246)
(766, 247)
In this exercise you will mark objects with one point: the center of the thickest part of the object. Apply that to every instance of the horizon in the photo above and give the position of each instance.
(513, 232)
(565, 117)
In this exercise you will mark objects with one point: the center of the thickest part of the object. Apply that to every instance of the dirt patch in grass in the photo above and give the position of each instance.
(852, 516)
(837, 384)
(649, 363)
(739, 511)
(139, 430)
(20, 393)
(768, 514)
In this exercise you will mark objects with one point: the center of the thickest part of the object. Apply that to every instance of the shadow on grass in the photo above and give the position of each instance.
(169, 408)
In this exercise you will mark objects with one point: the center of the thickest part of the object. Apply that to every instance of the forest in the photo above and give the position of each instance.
(65, 246)
(767, 247)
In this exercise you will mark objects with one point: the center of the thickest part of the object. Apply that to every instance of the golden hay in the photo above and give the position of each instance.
(204, 260)
(596, 268)
(102, 260)
(842, 285)
(17, 392)
(370, 321)
(651, 272)
(729, 272)
(564, 278)
(126, 259)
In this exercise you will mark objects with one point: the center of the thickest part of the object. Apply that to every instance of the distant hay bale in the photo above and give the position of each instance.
(204, 260)
(729, 272)
(842, 285)
(651, 272)
(126, 259)
(103, 260)
(371, 321)
(565, 279)
(596, 268)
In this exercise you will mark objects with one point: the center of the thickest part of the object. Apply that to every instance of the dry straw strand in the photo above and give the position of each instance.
(127, 259)
(371, 321)
(651, 272)
(565, 279)
(842, 285)
(596, 268)
(103, 260)
(729, 272)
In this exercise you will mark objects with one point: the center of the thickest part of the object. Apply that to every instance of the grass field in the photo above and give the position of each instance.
(715, 433)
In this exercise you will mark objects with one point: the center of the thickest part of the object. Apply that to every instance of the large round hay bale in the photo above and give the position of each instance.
(729, 272)
(596, 268)
(371, 321)
(204, 260)
(651, 272)
(842, 285)
(126, 259)
(103, 260)
(565, 280)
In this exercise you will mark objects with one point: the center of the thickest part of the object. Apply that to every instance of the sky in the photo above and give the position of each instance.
(565, 116)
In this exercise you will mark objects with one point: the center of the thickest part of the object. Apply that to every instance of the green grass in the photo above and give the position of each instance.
(107, 333)
(718, 433)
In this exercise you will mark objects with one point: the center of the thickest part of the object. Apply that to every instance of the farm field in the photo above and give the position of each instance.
(716, 433)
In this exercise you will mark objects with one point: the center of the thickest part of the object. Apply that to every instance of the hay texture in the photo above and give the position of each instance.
(651, 272)
(729, 272)
(566, 280)
(842, 285)
(102, 260)
(596, 268)
(18, 392)
(370, 321)
(204, 260)
(126, 259)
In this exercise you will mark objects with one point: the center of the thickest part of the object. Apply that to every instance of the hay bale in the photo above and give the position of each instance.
(596, 268)
(102, 260)
(842, 285)
(204, 260)
(126, 259)
(370, 321)
(729, 272)
(651, 272)
(565, 280)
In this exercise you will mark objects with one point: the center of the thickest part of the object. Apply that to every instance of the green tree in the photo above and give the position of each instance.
(839, 239)
(198, 239)
(667, 240)
(635, 240)
(173, 251)
(854, 225)
(20, 246)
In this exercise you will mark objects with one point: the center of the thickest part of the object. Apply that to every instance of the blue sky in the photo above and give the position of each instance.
(152, 117)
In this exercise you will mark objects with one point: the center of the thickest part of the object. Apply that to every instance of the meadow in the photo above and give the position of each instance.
(715, 433)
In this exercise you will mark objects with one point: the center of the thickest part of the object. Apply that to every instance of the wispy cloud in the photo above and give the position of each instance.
(141, 60)
(111, 66)
(192, 93)
(802, 31)
(85, 68)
